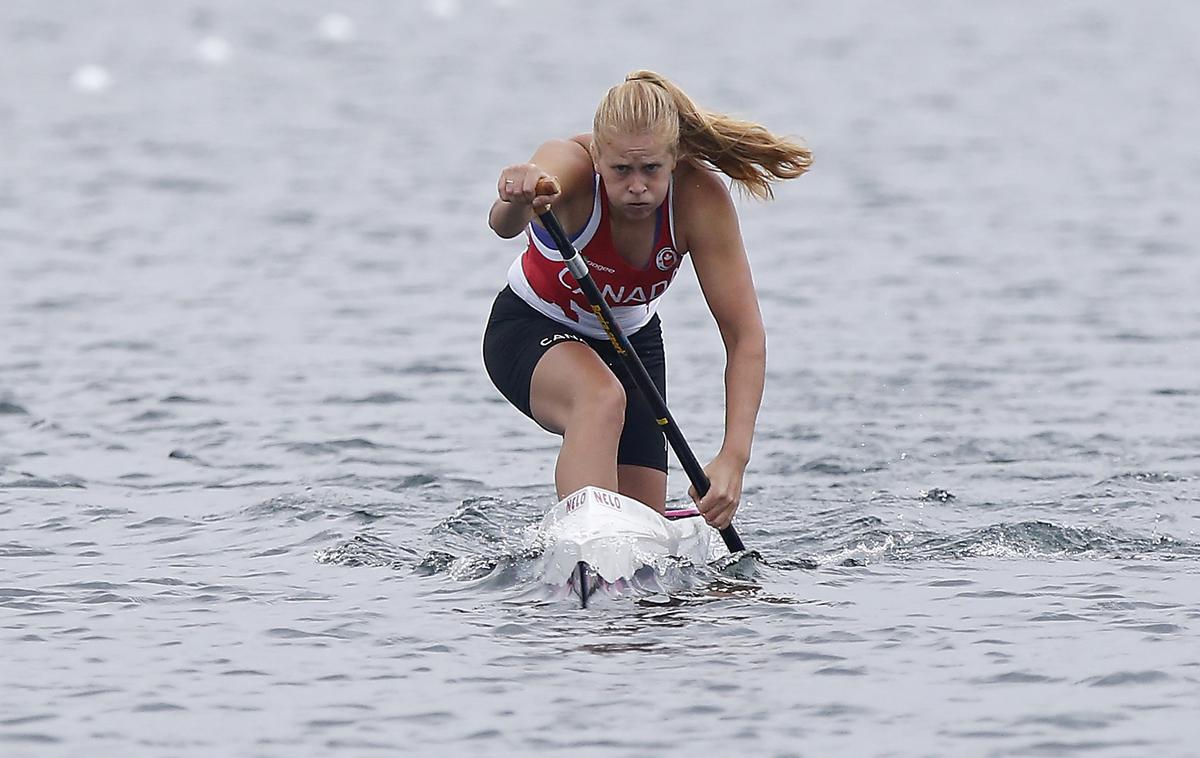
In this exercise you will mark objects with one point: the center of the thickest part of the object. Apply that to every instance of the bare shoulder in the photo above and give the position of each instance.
(569, 161)
(584, 141)
(704, 210)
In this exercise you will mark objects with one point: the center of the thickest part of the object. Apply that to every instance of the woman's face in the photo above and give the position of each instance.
(636, 170)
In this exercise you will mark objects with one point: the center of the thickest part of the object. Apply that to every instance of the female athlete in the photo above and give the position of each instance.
(641, 191)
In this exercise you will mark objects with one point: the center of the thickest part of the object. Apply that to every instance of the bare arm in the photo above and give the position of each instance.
(518, 201)
(722, 267)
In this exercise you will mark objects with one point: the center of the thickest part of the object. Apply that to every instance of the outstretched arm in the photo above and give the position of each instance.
(518, 199)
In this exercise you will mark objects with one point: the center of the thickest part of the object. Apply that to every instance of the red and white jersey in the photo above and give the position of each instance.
(540, 278)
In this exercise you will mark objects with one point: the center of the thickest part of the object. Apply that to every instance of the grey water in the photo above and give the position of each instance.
(258, 497)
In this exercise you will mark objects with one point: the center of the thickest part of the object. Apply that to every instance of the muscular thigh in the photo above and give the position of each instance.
(568, 375)
(515, 342)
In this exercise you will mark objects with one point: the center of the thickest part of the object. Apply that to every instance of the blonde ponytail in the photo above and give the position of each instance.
(744, 151)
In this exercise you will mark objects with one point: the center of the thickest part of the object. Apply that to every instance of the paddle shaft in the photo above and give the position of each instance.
(578, 268)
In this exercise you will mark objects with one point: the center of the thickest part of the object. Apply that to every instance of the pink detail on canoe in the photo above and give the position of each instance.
(678, 513)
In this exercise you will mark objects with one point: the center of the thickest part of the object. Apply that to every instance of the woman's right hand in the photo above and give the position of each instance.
(519, 185)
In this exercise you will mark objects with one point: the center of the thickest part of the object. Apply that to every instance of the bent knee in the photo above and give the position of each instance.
(604, 403)
(597, 406)
(571, 387)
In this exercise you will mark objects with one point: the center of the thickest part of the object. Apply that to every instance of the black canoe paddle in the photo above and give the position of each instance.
(579, 269)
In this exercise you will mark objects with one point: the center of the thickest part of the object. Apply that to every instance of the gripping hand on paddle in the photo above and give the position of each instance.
(724, 492)
(527, 185)
(524, 190)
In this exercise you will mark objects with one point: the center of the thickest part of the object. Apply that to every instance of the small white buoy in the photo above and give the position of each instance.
(444, 8)
(91, 79)
(214, 50)
(334, 27)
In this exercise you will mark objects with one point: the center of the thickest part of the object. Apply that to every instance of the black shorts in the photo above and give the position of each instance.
(517, 337)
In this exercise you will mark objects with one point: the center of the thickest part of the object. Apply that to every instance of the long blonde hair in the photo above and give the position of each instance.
(744, 151)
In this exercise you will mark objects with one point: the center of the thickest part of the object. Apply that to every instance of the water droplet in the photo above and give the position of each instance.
(214, 51)
(335, 27)
(91, 79)
(444, 8)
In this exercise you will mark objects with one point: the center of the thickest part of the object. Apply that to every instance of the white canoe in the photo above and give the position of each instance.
(617, 536)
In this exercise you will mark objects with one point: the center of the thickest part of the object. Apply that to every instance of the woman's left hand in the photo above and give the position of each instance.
(724, 493)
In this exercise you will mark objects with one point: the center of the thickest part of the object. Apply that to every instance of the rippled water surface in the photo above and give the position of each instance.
(257, 496)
